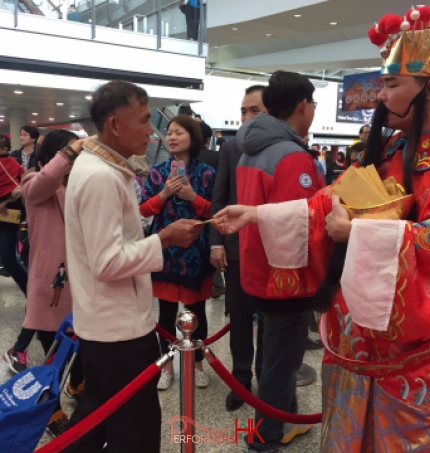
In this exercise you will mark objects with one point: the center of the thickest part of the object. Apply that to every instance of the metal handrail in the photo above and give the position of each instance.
(163, 113)
(161, 137)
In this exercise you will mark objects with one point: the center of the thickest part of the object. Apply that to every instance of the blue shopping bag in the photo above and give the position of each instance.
(28, 400)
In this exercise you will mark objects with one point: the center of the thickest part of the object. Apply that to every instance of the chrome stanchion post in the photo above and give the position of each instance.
(186, 322)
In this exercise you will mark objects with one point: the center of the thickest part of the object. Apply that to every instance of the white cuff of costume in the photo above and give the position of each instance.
(369, 276)
(284, 232)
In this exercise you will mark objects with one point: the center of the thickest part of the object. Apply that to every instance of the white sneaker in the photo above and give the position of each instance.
(165, 381)
(202, 381)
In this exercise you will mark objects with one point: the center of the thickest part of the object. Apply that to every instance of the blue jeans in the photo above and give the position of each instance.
(8, 258)
(284, 341)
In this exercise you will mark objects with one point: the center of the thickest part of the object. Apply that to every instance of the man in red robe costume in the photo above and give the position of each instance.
(375, 291)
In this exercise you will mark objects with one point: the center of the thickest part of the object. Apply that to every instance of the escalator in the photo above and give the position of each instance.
(157, 148)
(24, 6)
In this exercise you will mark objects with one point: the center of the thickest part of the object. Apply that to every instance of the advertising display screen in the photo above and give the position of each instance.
(360, 91)
(356, 116)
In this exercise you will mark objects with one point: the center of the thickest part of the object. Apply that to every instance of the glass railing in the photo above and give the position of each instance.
(8, 5)
(157, 18)
(23, 6)
(174, 22)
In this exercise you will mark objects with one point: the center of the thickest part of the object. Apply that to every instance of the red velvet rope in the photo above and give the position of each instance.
(256, 403)
(103, 412)
(217, 335)
(113, 404)
(167, 336)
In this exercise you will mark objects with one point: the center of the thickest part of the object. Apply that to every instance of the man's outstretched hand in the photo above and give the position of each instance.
(181, 233)
(234, 218)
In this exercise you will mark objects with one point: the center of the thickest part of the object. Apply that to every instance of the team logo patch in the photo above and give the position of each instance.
(305, 180)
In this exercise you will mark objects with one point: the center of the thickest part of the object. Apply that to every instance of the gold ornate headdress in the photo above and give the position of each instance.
(404, 42)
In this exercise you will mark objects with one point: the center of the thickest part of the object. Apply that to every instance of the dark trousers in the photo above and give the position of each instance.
(167, 318)
(192, 16)
(242, 311)
(8, 243)
(24, 339)
(284, 346)
(136, 426)
(218, 281)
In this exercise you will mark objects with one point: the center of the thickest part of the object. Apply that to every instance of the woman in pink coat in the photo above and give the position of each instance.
(49, 298)
(44, 193)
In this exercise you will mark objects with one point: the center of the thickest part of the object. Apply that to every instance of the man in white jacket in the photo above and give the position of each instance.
(109, 265)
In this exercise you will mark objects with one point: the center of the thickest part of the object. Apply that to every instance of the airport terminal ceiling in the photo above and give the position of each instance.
(330, 35)
(49, 106)
(327, 40)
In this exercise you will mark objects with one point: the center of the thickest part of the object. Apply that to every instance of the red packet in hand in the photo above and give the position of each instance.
(204, 222)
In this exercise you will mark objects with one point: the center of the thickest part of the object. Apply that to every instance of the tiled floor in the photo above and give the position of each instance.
(210, 402)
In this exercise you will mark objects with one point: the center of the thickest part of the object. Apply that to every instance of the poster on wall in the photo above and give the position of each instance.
(357, 116)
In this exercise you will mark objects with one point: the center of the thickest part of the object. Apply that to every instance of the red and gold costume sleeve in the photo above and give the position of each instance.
(411, 302)
(296, 244)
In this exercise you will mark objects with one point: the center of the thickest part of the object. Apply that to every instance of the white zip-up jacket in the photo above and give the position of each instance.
(109, 261)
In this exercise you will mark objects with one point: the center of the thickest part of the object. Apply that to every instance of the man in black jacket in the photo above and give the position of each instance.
(26, 156)
(207, 155)
(225, 256)
(211, 158)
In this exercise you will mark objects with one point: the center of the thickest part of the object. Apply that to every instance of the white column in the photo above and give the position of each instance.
(17, 119)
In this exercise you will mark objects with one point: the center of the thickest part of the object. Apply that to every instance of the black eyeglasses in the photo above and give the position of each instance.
(314, 104)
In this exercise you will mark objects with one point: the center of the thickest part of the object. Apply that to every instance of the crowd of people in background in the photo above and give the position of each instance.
(332, 166)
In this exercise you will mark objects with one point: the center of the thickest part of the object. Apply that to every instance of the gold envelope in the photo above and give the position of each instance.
(391, 210)
(354, 190)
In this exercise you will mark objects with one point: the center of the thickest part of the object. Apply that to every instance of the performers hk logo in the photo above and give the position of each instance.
(205, 435)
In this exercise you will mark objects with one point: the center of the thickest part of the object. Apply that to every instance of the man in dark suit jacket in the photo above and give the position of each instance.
(207, 155)
(211, 158)
(225, 256)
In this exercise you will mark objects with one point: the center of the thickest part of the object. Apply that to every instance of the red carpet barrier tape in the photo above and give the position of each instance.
(253, 401)
(102, 412)
(169, 337)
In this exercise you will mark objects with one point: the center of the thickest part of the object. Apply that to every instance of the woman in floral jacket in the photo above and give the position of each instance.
(181, 188)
